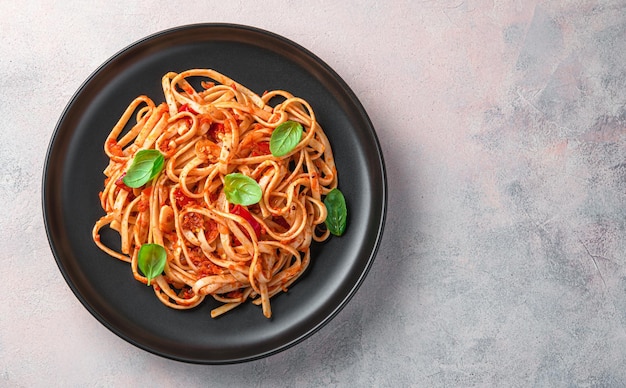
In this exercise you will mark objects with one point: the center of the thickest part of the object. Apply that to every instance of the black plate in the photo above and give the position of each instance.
(73, 177)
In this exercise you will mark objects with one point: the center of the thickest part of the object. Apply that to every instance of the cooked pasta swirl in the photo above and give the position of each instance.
(231, 252)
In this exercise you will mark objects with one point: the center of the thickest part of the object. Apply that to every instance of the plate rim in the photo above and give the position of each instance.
(46, 187)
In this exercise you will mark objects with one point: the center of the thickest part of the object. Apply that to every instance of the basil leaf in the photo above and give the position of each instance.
(151, 260)
(240, 189)
(337, 212)
(285, 138)
(145, 166)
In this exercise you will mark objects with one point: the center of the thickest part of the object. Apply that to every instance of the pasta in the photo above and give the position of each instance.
(209, 128)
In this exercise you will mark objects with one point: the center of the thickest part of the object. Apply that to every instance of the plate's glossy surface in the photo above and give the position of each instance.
(73, 177)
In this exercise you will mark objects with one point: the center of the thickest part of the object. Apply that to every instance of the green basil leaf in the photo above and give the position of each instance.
(285, 138)
(240, 189)
(146, 165)
(151, 260)
(337, 212)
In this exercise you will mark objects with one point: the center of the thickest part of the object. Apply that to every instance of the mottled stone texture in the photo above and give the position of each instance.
(503, 126)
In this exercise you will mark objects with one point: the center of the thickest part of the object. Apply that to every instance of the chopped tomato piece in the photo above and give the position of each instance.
(245, 214)
(120, 183)
(115, 148)
(187, 108)
(216, 131)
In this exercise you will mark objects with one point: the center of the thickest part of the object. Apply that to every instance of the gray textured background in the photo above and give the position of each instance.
(503, 128)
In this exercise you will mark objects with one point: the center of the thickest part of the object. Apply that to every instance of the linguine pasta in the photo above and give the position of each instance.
(214, 247)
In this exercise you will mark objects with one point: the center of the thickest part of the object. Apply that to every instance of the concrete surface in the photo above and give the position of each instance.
(503, 126)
